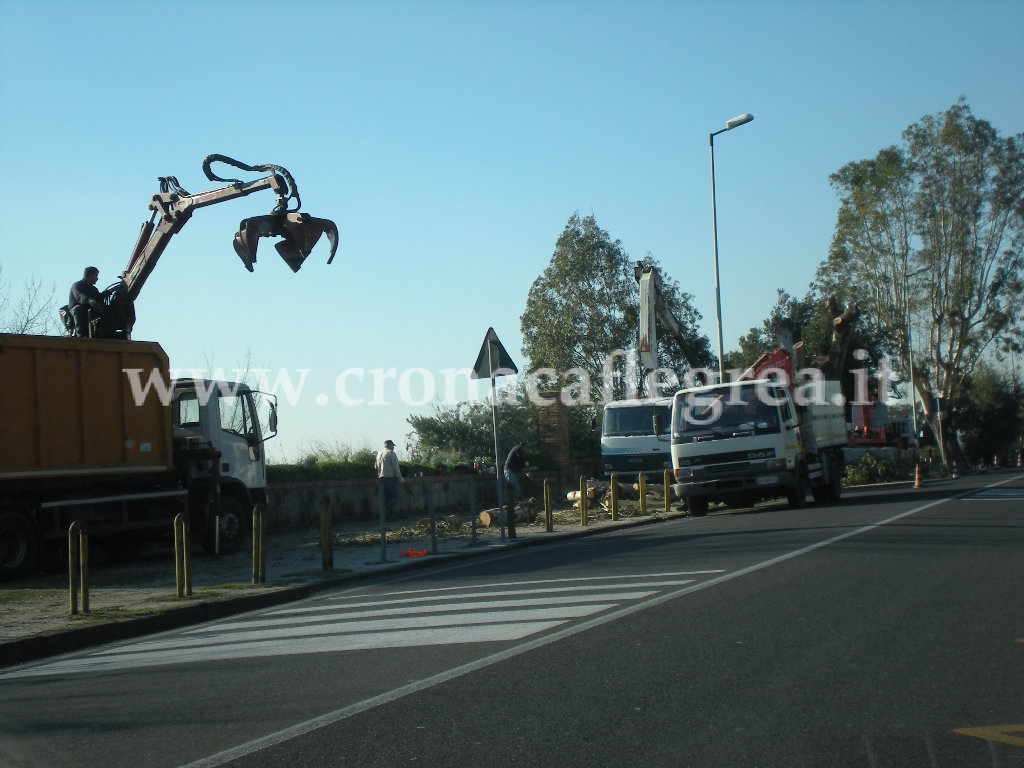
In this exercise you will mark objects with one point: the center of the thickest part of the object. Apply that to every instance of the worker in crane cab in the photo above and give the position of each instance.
(85, 296)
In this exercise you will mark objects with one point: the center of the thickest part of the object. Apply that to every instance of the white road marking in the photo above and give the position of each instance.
(417, 618)
(329, 718)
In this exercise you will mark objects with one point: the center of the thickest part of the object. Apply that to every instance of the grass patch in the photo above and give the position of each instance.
(21, 595)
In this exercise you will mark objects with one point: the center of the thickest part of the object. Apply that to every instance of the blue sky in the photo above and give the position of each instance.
(451, 141)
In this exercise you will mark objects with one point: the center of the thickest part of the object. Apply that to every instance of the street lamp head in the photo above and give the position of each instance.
(737, 121)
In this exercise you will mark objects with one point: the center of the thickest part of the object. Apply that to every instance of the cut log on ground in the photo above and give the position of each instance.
(491, 517)
(575, 495)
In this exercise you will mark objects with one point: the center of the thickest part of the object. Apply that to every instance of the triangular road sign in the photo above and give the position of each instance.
(493, 360)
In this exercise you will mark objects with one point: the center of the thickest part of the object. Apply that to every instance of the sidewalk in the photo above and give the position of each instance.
(140, 597)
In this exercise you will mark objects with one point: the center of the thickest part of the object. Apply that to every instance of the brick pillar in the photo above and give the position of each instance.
(554, 430)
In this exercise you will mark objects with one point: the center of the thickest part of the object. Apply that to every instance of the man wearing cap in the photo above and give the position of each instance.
(389, 475)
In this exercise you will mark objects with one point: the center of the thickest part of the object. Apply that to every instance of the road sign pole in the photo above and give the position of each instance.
(502, 366)
(497, 452)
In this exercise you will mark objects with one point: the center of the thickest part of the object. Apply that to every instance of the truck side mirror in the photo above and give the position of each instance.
(656, 423)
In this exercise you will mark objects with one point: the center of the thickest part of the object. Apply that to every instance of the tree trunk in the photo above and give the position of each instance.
(491, 517)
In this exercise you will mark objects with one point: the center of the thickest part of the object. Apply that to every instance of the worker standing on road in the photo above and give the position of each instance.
(515, 471)
(83, 297)
(389, 475)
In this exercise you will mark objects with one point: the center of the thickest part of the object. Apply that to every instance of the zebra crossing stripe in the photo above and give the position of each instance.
(128, 659)
(407, 619)
(257, 631)
(395, 610)
(433, 595)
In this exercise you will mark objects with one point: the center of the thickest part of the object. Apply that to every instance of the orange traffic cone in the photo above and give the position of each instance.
(918, 483)
(955, 473)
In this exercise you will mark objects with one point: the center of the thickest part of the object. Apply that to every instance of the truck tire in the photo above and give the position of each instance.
(797, 495)
(835, 480)
(19, 545)
(234, 528)
(698, 505)
(835, 487)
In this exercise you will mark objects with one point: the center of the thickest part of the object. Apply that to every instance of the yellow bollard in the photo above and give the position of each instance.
(613, 490)
(259, 544)
(668, 491)
(182, 557)
(583, 500)
(83, 547)
(549, 511)
(78, 566)
(642, 482)
(326, 543)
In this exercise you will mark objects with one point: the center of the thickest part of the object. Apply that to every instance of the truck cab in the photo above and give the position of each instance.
(635, 437)
(219, 429)
(746, 441)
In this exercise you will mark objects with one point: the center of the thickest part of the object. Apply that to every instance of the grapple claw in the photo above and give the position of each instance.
(300, 233)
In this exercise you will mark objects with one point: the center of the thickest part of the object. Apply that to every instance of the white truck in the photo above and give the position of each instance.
(746, 441)
(635, 432)
(635, 437)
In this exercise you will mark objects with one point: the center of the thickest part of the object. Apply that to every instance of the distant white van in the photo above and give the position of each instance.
(629, 442)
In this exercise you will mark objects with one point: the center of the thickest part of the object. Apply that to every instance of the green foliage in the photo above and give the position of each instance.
(319, 472)
(321, 452)
(332, 471)
(989, 417)
(322, 462)
(811, 321)
(585, 431)
(584, 309)
(873, 469)
(584, 305)
(581, 315)
(929, 242)
(464, 432)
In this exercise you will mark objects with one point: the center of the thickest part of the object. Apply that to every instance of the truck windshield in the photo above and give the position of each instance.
(635, 420)
(727, 411)
(236, 416)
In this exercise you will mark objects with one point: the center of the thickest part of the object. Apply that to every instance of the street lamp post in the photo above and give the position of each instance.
(736, 122)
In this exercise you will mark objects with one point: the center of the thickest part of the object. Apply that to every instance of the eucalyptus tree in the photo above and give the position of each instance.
(928, 240)
(581, 323)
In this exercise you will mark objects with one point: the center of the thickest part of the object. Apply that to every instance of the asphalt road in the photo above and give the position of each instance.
(887, 630)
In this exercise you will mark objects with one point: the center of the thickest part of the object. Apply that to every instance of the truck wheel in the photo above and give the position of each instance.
(797, 495)
(234, 528)
(835, 481)
(19, 545)
(698, 505)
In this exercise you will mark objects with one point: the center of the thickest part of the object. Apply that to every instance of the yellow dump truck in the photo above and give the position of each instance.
(96, 431)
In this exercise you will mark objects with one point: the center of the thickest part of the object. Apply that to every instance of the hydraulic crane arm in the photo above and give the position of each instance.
(172, 207)
(652, 306)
